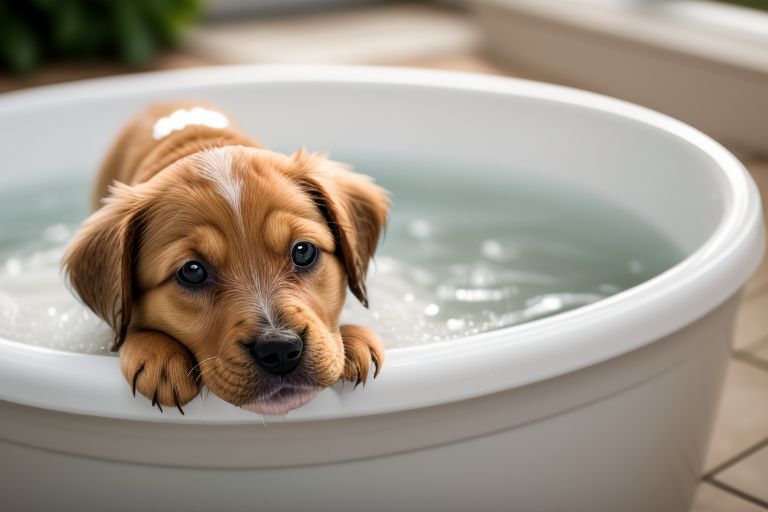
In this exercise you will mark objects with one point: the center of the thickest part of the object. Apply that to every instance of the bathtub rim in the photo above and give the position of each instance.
(93, 385)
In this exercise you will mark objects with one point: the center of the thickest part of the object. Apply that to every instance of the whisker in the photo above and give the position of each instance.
(200, 375)
(198, 364)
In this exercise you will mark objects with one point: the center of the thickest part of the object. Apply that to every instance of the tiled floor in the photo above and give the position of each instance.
(737, 465)
(736, 470)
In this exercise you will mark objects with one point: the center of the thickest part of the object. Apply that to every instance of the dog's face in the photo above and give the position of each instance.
(243, 256)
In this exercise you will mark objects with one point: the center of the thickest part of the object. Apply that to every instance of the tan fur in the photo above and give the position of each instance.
(172, 202)
(361, 348)
(160, 368)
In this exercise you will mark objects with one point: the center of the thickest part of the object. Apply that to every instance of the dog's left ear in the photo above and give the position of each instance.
(99, 261)
(354, 207)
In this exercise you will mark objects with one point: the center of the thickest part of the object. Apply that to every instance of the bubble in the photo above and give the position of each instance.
(385, 265)
(431, 310)
(56, 233)
(480, 295)
(482, 276)
(13, 266)
(492, 250)
(420, 229)
(609, 289)
(36, 307)
(421, 276)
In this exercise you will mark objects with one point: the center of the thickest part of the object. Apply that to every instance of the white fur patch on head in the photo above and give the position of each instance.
(215, 165)
(182, 118)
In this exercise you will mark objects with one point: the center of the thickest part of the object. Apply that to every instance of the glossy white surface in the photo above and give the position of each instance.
(678, 179)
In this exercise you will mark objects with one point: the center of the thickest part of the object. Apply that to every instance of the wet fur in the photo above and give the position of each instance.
(212, 194)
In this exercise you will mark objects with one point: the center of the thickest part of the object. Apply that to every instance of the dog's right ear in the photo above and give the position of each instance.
(99, 261)
(355, 209)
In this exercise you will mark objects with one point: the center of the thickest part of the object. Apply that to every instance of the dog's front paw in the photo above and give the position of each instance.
(361, 348)
(160, 368)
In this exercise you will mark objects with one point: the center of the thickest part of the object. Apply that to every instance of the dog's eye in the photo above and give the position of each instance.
(303, 254)
(192, 273)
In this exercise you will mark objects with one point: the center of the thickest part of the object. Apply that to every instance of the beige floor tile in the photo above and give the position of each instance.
(751, 321)
(742, 420)
(470, 62)
(758, 167)
(376, 34)
(68, 71)
(709, 498)
(758, 283)
(749, 475)
(761, 352)
(759, 170)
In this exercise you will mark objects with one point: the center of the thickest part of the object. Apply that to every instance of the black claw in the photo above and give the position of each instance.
(376, 364)
(155, 402)
(136, 378)
(176, 401)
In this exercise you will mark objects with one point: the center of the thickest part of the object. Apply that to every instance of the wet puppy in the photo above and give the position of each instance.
(218, 262)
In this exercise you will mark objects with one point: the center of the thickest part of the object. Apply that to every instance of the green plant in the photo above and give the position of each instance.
(757, 4)
(131, 30)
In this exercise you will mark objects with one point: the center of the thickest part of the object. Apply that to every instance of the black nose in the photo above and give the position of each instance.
(279, 352)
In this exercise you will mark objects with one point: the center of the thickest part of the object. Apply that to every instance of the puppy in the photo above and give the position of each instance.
(218, 262)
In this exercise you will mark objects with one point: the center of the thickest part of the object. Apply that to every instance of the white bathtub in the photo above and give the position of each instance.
(605, 408)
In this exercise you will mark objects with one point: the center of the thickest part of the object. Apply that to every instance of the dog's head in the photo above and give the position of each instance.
(241, 254)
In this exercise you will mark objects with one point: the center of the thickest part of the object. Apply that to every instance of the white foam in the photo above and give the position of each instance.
(408, 308)
(180, 119)
(507, 255)
(37, 308)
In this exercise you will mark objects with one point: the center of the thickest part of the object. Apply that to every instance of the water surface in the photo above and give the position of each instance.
(465, 252)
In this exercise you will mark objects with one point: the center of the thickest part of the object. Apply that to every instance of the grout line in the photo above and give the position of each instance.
(752, 345)
(750, 295)
(759, 344)
(751, 359)
(739, 493)
(736, 458)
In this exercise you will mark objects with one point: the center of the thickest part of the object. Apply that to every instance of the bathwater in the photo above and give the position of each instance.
(465, 252)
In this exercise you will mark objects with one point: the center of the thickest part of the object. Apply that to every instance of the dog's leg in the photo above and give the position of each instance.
(159, 367)
(361, 347)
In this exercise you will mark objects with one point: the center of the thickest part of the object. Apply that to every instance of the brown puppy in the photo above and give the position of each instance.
(217, 260)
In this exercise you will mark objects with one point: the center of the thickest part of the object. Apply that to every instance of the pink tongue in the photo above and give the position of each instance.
(282, 404)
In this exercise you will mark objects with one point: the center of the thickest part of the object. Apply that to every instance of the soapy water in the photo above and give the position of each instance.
(461, 256)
